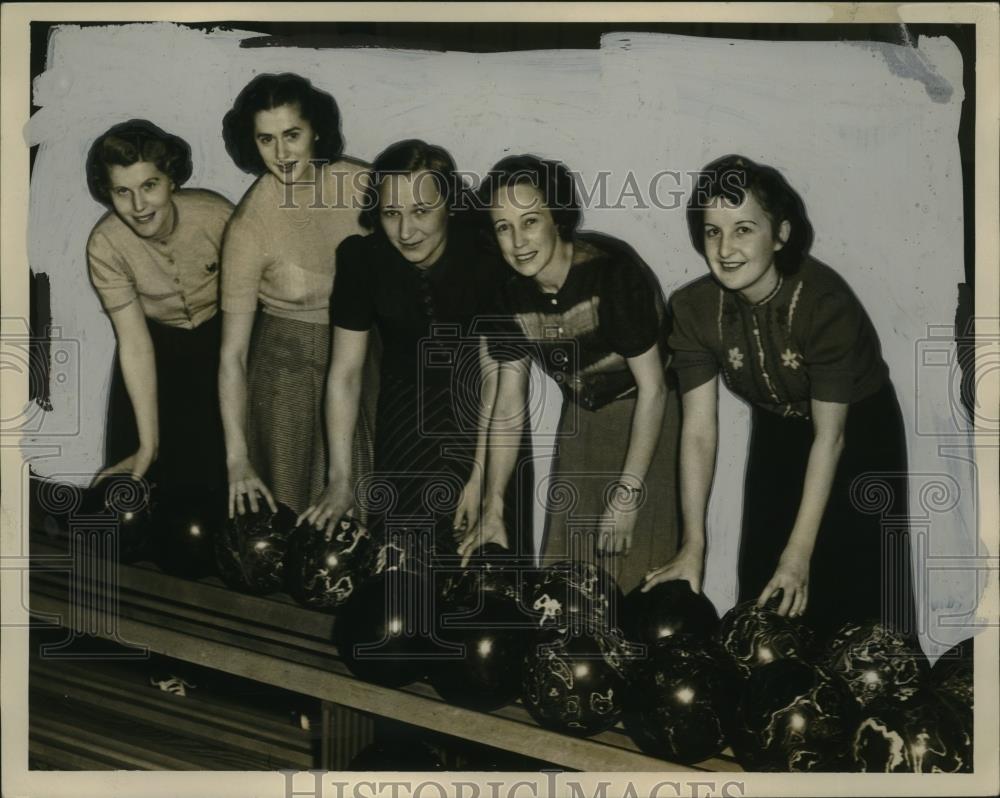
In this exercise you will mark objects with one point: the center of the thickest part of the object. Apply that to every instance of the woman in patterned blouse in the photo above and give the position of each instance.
(591, 314)
(788, 336)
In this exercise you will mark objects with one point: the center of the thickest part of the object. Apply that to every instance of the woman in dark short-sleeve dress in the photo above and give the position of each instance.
(788, 335)
(154, 263)
(591, 314)
(420, 280)
(280, 257)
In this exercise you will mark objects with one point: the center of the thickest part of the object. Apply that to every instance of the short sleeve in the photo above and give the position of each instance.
(110, 276)
(352, 305)
(631, 307)
(831, 346)
(692, 360)
(243, 262)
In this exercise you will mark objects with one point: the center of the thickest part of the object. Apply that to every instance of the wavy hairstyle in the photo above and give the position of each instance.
(129, 143)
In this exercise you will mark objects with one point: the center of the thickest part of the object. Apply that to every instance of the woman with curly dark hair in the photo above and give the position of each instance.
(279, 256)
(788, 335)
(154, 263)
(590, 313)
(420, 280)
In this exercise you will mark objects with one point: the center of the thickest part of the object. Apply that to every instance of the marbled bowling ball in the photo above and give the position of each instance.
(404, 549)
(126, 506)
(794, 717)
(682, 702)
(668, 609)
(484, 672)
(753, 636)
(924, 735)
(952, 676)
(325, 567)
(489, 571)
(250, 549)
(576, 683)
(188, 522)
(876, 662)
(383, 632)
(574, 593)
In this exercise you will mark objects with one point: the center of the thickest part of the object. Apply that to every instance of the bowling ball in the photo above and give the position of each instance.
(668, 609)
(324, 568)
(952, 676)
(575, 594)
(876, 662)
(187, 524)
(485, 672)
(753, 636)
(794, 717)
(404, 549)
(250, 549)
(126, 507)
(576, 682)
(489, 571)
(680, 706)
(924, 735)
(382, 633)
(396, 755)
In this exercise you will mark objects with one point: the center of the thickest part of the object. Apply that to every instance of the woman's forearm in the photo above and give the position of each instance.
(820, 471)
(489, 369)
(343, 400)
(647, 421)
(698, 451)
(233, 383)
(505, 431)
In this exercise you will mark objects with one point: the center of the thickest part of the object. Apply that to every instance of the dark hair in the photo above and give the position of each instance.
(552, 179)
(406, 158)
(267, 92)
(732, 177)
(129, 143)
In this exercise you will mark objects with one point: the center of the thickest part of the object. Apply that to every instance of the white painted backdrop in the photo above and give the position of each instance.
(866, 132)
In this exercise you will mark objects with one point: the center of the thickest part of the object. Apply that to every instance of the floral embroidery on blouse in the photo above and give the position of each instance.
(736, 357)
(790, 359)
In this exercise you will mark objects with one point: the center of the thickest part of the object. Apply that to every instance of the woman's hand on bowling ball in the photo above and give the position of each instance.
(616, 528)
(491, 530)
(332, 505)
(467, 515)
(244, 485)
(136, 465)
(688, 564)
(791, 577)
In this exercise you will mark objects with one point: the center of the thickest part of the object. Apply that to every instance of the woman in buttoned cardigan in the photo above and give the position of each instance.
(788, 335)
(154, 262)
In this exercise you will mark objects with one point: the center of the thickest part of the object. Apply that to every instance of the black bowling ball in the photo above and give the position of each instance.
(576, 683)
(575, 594)
(489, 571)
(187, 525)
(126, 508)
(876, 662)
(484, 672)
(952, 676)
(682, 704)
(383, 632)
(794, 717)
(668, 609)
(924, 735)
(753, 636)
(250, 549)
(324, 568)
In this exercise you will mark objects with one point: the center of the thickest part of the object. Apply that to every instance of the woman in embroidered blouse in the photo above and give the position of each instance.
(591, 313)
(279, 254)
(154, 263)
(419, 280)
(790, 337)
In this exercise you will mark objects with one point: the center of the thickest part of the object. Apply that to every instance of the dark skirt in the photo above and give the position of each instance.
(286, 437)
(191, 443)
(424, 455)
(589, 461)
(860, 567)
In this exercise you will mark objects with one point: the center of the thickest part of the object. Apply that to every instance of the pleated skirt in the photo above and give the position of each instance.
(860, 567)
(592, 446)
(286, 435)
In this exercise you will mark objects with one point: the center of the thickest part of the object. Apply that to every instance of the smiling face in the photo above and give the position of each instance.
(142, 196)
(414, 216)
(528, 236)
(740, 243)
(285, 141)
